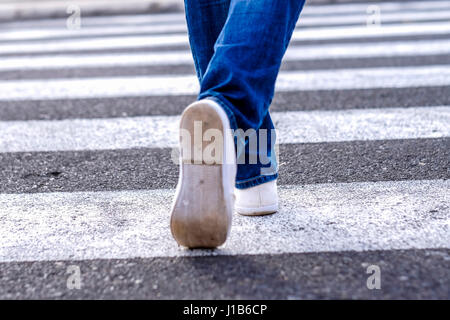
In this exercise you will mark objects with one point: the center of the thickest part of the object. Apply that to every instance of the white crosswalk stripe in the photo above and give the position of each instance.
(75, 226)
(336, 216)
(294, 53)
(126, 42)
(336, 9)
(136, 27)
(340, 79)
(161, 131)
(333, 12)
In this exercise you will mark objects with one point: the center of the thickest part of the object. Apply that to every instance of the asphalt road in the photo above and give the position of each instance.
(372, 191)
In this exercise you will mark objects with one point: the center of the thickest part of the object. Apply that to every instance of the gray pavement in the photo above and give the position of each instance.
(173, 105)
(288, 276)
(134, 169)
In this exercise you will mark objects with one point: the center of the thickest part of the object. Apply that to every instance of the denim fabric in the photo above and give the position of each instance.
(237, 47)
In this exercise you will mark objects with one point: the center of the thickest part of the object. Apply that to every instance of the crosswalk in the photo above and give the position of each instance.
(169, 85)
(127, 41)
(364, 223)
(161, 131)
(48, 33)
(88, 128)
(169, 58)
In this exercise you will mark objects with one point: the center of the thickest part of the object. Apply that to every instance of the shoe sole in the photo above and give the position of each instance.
(203, 204)
(262, 211)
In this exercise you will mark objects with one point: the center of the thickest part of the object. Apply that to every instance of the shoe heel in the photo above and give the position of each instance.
(202, 209)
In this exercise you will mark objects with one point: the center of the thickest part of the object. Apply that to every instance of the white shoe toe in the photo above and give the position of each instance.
(256, 201)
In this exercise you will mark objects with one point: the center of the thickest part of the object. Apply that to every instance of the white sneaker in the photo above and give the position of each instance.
(258, 200)
(204, 199)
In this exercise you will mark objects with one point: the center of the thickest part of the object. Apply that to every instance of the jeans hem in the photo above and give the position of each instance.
(252, 182)
(247, 183)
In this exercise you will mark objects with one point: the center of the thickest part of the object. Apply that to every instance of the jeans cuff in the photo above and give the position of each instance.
(252, 182)
(247, 183)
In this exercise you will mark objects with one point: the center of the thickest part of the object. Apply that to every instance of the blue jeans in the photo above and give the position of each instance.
(238, 46)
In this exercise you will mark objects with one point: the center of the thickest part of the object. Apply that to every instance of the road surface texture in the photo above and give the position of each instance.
(88, 127)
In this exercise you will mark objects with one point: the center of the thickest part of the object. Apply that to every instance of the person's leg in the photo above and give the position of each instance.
(242, 72)
(237, 79)
(203, 204)
(205, 20)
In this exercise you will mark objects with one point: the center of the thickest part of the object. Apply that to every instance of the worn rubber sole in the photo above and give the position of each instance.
(261, 211)
(203, 205)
